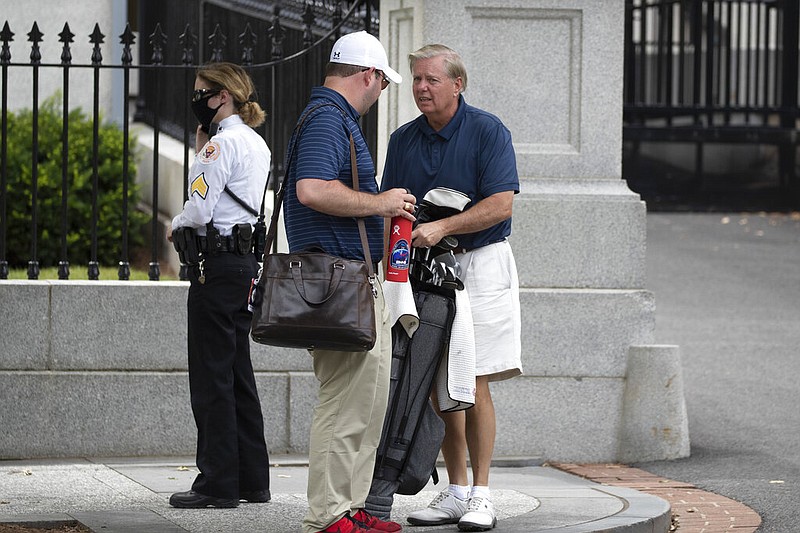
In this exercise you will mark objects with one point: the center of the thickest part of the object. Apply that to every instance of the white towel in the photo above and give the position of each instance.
(455, 381)
(400, 302)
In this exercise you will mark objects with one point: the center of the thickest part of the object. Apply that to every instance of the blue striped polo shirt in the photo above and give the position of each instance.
(322, 151)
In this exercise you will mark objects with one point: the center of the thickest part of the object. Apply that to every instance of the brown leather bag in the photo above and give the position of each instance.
(313, 299)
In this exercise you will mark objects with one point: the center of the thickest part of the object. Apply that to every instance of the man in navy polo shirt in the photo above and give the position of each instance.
(320, 210)
(457, 146)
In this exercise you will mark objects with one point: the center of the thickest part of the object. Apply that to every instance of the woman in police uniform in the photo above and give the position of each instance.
(226, 185)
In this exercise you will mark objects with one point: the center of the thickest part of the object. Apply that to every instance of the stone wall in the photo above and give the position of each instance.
(99, 369)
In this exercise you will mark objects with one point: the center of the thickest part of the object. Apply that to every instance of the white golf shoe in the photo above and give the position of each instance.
(444, 509)
(479, 516)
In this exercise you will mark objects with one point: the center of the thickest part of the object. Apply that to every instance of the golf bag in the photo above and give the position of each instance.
(412, 431)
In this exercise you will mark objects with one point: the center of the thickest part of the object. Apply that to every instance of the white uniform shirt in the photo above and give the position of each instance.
(237, 157)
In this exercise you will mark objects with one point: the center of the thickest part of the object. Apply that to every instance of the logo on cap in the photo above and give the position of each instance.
(336, 55)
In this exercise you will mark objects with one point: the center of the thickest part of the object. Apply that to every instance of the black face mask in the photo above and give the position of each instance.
(204, 113)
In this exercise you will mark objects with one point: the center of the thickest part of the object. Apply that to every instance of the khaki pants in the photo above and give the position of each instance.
(347, 424)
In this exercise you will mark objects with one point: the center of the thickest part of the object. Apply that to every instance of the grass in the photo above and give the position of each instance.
(80, 272)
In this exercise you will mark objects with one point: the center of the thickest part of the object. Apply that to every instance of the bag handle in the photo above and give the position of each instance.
(337, 271)
(362, 232)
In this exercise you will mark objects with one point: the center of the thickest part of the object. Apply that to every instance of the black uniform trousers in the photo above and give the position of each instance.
(231, 451)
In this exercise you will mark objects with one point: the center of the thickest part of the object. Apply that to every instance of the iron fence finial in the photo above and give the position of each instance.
(6, 36)
(217, 42)
(96, 38)
(158, 39)
(188, 40)
(248, 40)
(127, 38)
(276, 34)
(35, 37)
(66, 37)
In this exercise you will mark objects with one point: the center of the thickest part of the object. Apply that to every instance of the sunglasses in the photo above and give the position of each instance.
(200, 94)
(384, 79)
(379, 74)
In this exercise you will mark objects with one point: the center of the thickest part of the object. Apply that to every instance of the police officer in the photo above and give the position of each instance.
(226, 185)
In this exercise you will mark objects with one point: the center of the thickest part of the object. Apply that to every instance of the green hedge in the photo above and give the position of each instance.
(79, 195)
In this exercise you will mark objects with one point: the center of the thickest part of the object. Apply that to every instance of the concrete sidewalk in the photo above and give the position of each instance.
(130, 495)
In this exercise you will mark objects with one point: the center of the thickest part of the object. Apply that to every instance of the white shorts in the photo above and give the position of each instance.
(490, 277)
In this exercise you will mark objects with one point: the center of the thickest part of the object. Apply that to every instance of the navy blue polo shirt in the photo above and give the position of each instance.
(472, 154)
(323, 152)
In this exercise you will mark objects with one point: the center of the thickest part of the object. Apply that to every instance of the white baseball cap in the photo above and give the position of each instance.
(362, 49)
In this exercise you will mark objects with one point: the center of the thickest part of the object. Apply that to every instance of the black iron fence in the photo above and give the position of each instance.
(283, 45)
(707, 80)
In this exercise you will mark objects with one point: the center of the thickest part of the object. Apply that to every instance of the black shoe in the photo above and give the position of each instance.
(194, 500)
(255, 496)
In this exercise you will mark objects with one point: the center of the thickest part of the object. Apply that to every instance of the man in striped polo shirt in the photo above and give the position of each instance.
(320, 209)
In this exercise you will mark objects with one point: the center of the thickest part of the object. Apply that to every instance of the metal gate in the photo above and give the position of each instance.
(711, 103)
(283, 44)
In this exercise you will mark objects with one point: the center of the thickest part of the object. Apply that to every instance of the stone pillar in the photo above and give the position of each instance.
(552, 70)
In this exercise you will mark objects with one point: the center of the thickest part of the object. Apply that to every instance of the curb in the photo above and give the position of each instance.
(693, 510)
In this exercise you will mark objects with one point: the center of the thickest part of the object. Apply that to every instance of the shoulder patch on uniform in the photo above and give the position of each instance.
(209, 153)
(199, 186)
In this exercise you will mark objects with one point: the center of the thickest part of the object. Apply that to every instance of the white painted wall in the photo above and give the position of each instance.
(50, 16)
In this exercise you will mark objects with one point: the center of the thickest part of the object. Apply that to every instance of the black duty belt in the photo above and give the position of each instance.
(227, 244)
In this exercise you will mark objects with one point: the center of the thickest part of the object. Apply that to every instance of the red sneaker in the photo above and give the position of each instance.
(375, 523)
(346, 524)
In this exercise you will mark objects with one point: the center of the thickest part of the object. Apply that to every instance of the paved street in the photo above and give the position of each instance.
(727, 290)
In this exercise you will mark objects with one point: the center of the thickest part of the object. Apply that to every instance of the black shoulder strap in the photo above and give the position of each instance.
(212, 131)
(242, 202)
